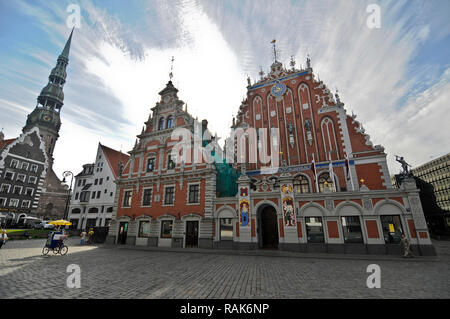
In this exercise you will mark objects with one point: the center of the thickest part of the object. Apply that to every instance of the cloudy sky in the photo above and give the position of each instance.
(396, 78)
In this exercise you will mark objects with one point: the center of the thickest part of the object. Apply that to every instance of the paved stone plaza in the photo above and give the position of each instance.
(125, 272)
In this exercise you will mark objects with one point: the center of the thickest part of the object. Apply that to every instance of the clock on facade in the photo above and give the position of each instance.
(278, 89)
(46, 117)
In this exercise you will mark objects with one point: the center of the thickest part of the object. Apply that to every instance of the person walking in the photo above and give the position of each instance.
(91, 235)
(83, 237)
(3, 238)
(406, 246)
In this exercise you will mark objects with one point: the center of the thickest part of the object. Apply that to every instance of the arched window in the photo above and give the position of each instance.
(170, 121)
(161, 124)
(76, 211)
(326, 182)
(301, 185)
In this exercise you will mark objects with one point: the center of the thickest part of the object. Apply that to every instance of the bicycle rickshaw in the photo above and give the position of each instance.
(55, 240)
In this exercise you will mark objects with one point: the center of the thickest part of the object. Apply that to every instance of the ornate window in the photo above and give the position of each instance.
(170, 121)
(325, 182)
(301, 185)
(150, 164)
(161, 124)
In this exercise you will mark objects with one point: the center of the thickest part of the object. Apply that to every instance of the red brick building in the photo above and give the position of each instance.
(160, 202)
(331, 192)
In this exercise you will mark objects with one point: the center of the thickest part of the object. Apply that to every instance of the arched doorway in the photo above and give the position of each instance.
(268, 227)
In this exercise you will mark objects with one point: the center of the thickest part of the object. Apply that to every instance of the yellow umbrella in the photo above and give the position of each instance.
(60, 222)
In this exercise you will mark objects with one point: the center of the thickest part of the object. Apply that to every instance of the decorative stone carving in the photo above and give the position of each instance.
(367, 204)
(329, 205)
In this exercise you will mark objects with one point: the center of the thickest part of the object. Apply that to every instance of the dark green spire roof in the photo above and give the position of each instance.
(65, 52)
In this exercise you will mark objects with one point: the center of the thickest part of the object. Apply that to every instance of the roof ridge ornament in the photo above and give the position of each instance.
(171, 69)
(292, 63)
(274, 49)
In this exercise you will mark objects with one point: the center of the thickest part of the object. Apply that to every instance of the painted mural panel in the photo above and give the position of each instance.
(244, 206)
(287, 202)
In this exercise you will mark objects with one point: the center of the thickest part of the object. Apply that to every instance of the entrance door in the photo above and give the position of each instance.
(268, 228)
(191, 233)
(123, 229)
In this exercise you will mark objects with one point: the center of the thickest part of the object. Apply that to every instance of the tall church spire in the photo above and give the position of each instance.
(46, 115)
(65, 53)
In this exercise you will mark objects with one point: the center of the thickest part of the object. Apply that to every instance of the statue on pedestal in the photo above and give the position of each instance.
(404, 165)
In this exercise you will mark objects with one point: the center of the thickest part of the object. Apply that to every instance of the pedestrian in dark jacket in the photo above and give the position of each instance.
(3, 238)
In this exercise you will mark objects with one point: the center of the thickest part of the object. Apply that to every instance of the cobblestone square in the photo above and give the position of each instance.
(125, 272)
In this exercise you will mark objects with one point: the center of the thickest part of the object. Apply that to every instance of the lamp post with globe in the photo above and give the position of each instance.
(66, 174)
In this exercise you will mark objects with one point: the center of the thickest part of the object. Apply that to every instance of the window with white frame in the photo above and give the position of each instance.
(147, 197)
(29, 191)
(25, 166)
(169, 195)
(9, 175)
(17, 190)
(127, 198)
(2, 201)
(21, 177)
(194, 194)
(33, 168)
(13, 202)
(25, 204)
(5, 188)
(14, 163)
(32, 180)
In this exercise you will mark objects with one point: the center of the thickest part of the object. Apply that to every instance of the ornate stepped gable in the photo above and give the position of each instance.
(151, 165)
(313, 124)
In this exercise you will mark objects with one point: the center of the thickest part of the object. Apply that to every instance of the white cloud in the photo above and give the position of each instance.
(115, 73)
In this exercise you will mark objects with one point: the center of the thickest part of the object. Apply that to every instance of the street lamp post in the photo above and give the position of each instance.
(66, 174)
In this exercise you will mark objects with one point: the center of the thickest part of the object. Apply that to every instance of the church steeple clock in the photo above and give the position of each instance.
(46, 115)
